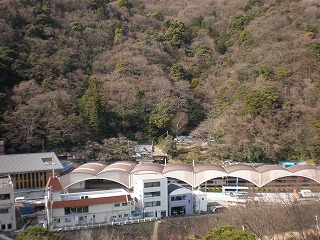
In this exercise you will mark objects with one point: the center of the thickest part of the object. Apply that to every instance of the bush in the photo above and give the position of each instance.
(37, 233)
(282, 73)
(77, 27)
(176, 32)
(314, 47)
(221, 47)
(243, 37)
(262, 99)
(239, 22)
(125, 4)
(156, 15)
(266, 72)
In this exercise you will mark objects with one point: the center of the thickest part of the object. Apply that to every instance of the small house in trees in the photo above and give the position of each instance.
(144, 152)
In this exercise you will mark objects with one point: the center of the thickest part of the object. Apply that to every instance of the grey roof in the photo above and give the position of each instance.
(144, 148)
(29, 162)
(180, 191)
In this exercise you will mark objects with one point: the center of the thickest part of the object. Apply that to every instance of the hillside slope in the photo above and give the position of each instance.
(243, 72)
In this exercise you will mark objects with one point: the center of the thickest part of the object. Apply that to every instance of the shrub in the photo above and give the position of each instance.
(125, 4)
(156, 15)
(262, 99)
(178, 71)
(35, 32)
(282, 73)
(77, 27)
(243, 37)
(314, 47)
(221, 47)
(176, 32)
(239, 22)
(266, 72)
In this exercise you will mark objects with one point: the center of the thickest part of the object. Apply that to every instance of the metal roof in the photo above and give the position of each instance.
(267, 168)
(29, 162)
(123, 166)
(90, 168)
(153, 167)
(177, 167)
(239, 167)
(208, 167)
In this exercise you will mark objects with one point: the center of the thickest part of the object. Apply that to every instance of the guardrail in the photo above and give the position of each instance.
(117, 223)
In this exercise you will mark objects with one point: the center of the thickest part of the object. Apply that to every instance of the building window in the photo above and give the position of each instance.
(148, 214)
(120, 216)
(67, 220)
(85, 209)
(152, 204)
(56, 220)
(151, 194)
(117, 205)
(3, 211)
(73, 210)
(4, 196)
(3, 227)
(152, 184)
(66, 211)
(124, 204)
(126, 215)
(9, 226)
(84, 197)
(79, 209)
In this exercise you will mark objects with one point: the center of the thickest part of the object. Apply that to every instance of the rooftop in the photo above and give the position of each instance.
(150, 176)
(29, 162)
(94, 194)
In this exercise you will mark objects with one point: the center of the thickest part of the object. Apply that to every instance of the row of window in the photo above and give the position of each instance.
(83, 218)
(152, 204)
(118, 204)
(4, 196)
(74, 210)
(8, 227)
(178, 198)
(31, 180)
(5, 210)
(152, 194)
(152, 184)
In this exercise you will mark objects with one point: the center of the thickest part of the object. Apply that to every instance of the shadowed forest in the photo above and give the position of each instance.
(245, 73)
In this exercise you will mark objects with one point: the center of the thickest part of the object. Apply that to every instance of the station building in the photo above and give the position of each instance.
(31, 170)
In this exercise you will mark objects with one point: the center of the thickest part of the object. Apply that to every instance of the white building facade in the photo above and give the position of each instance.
(7, 208)
(86, 208)
(200, 201)
(151, 195)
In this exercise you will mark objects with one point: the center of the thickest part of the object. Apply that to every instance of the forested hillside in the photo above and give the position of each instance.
(244, 72)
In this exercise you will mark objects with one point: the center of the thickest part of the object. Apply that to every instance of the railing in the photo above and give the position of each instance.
(117, 223)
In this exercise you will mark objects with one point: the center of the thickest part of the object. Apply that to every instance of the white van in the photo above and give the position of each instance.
(19, 199)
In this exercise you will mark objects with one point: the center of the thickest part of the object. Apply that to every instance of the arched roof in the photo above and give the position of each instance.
(239, 167)
(124, 166)
(266, 168)
(122, 172)
(207, 167)
(149, 167)
(92, 168)
(297, 168)
(178, 167)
